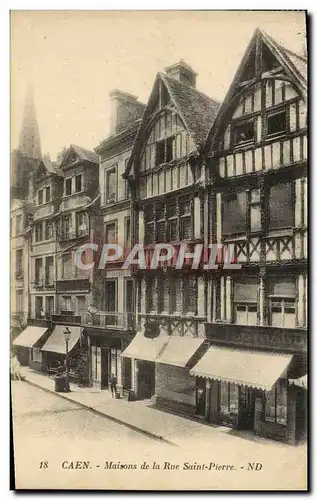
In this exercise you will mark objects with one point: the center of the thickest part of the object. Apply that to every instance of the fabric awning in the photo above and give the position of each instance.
(30, 336)
(299, 382)
(145, 348)
(178, 351)
(243, 367)
(56, 342)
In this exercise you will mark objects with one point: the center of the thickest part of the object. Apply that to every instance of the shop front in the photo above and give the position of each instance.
(161, 369)
(54, 351)
(28, 346)
(105, 349)
(248, 390)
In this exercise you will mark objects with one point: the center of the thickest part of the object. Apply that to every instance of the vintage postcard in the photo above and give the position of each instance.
(159, 250)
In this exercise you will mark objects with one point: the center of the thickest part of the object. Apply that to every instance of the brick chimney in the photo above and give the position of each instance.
(183, 72)
(125, 110)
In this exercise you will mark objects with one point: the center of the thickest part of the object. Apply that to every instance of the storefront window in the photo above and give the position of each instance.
(276, 404)
(229, 398)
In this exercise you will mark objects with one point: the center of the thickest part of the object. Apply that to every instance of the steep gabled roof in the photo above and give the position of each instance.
(85, 154)
(293, 64)
(77, 153)
(196, 109)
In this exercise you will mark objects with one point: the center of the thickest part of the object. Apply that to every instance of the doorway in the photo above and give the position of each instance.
(104, 368)
(146, 379)
(246, 408)
(200, 396)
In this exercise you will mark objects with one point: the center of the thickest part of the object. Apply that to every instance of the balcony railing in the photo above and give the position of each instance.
(125, 321)
(292, 340)
(71, 235)
(75, 284)
(38, 320)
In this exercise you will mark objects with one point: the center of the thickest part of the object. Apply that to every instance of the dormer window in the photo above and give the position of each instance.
(47, 194)
(276, 123)
(40, 197)
(78, 183)
(243, 133)
(68, 187)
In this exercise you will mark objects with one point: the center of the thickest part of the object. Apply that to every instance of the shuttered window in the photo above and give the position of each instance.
(245, 301)
(190, 294)
(234, 213)
(111, 185)
(281, 206)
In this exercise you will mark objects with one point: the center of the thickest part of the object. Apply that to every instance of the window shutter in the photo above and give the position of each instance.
(283, 288)
(245, 291)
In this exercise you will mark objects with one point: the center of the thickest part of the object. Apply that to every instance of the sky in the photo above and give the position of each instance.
(74, 59)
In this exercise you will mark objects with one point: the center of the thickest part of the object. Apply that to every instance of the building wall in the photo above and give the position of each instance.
(175, 387)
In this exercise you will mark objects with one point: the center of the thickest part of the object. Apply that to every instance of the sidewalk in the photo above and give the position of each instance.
(142, 416)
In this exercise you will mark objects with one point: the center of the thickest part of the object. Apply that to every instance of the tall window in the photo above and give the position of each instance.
(40, 197)
(49, 230)
(78, 183)
(172, 222)
(190, 294)
(81, 305)
(234, 213)
(38, 307)
(39, 231)
(281, 206)
(111, 232)
(276, 403)
(47, 194)
(81, 224)
(245, 301)
(38, 271)
(150, 295)
(282, 299)
(19, 301)
(229, 398)
(66, 303)
(160, 223)
(18, 225)
(68, 186)
(19, 262)
(66, 226)
(67, 263)
(49, 305)
(254, 209)
(176, 294)
(149, 236)
(49, 270)
(111, 185)
(185, 220)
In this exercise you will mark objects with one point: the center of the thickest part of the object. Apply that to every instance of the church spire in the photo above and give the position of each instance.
(29, 141)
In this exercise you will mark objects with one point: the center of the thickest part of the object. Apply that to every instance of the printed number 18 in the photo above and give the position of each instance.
(43, 465)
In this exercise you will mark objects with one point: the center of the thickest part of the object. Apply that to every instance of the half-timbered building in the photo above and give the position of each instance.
(166, 175)
(257, 178)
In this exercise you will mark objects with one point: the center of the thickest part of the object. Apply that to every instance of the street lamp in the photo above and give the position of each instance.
(67, 333)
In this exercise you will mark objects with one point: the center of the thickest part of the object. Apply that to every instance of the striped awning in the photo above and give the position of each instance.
(243, 367)
(30, 336)
(56, 342)
(178, 351)
(145, 348)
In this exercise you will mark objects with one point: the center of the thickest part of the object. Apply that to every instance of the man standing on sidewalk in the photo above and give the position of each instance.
(113, 385)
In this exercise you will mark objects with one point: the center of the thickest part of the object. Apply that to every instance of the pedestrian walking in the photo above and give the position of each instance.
(113, 385)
